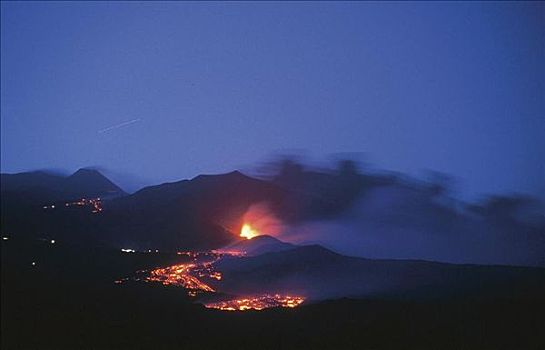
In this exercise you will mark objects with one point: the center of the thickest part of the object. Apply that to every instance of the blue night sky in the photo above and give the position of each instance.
(454, 87)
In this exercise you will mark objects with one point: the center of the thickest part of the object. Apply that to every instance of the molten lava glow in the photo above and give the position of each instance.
(258, 219)
(180, 275)
(194, 276)
(248, 232)
(257, 302)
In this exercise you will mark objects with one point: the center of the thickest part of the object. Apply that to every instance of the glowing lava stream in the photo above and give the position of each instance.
(185, 275)
(179, 275)
(259, 302)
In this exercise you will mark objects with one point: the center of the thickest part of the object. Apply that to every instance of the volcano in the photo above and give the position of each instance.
(258, 245)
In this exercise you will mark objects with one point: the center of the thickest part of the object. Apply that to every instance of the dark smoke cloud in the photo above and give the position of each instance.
(380, 215)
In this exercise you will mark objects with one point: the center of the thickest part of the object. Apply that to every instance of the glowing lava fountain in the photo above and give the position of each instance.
(248, 232)
(258, 220)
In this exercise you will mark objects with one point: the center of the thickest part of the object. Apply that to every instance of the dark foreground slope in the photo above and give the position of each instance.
(318, 273)
(68, 301)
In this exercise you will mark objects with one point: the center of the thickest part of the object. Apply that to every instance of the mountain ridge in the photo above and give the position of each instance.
(319, 273)
(82, 183)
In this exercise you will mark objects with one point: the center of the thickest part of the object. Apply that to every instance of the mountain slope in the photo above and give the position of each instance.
(49, 187)
(258, 245)
(23, 197)
(189, 214)
(318, 273)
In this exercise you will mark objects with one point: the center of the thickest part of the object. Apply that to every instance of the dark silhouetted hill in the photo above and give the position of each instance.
(258, 245)
(84, 183)
(189, 214)
(319, 273)
(24, 195)
(370, 215)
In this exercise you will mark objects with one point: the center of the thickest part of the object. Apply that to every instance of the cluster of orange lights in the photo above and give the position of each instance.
(189, 277)
(233, 253)
(95, 203)
(201, 267)
(180, 275)
(257, 302)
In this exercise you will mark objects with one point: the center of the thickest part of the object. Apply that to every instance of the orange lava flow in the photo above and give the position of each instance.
(180, 275)
(257, 302)
(189, 275)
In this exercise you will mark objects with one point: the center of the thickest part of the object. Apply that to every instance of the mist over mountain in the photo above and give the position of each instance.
(396, 216)
(348, 210)
(401, 221)
(272, 175)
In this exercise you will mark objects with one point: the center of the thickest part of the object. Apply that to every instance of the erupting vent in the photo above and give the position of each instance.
(248, 232)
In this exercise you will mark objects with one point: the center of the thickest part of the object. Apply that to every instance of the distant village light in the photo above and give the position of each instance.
(52, 241)
(5, 238)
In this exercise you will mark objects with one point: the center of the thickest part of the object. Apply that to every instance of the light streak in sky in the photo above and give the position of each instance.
(117, 126)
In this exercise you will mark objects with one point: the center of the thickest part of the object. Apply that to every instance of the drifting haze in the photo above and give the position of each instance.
(374, 215)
